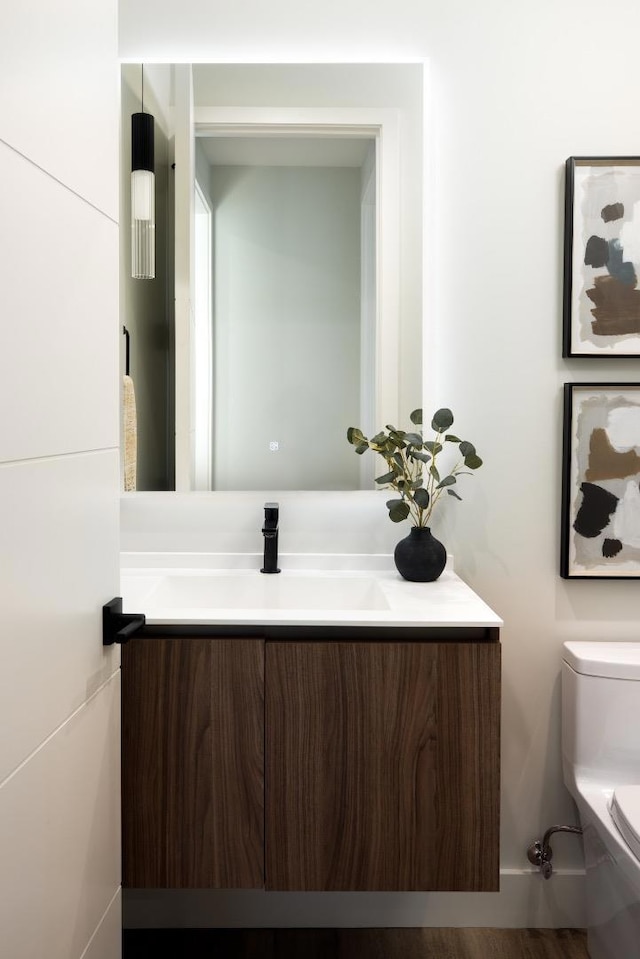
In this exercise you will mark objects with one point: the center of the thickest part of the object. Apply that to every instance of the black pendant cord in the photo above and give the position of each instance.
(142, 88)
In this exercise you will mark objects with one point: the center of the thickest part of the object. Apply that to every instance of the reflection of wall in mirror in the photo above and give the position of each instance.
(398, 87)
(287, 326)
(145, 304)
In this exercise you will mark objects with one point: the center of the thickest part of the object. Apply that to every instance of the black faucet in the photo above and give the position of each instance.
(270, 533)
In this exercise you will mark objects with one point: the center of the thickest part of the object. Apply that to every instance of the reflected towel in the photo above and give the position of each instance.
(130, 433)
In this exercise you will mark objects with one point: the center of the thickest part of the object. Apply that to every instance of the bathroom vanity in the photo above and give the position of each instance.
(347, 746)
(330, 727)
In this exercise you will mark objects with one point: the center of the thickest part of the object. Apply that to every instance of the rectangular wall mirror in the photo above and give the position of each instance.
(287, 301)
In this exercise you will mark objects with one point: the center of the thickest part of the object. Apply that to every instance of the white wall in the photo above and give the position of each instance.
(59, 689)
(517, 87)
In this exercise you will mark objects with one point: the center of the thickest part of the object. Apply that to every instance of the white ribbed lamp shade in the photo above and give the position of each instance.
(143, 203)
(143, 225)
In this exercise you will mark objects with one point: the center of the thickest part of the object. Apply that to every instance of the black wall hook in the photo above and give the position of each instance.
(119, 627)
(127, 337)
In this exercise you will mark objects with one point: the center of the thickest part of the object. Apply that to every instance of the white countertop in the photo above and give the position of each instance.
(311, 590)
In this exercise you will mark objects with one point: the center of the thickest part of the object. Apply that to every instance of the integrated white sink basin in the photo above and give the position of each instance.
(322, 590)
(249, 589)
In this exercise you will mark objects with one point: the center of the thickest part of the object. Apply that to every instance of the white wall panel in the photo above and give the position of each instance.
(58, 818)
(59, 359)
(53, 583)
(107, 940)
(285, 30)
(354, 521)
(58, 93)
(59, 483)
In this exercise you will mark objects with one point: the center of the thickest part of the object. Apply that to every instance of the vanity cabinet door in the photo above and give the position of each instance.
(382, 766)
(193, 772)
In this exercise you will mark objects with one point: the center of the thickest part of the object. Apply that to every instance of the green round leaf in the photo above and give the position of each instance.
(467, 448)
(421, 497)
(354, 435)
(414, 438)
(416, 417)
(472, 462)
(447, 481)
(442, 420)
(398, 511)
(362, 447)
(387, 478)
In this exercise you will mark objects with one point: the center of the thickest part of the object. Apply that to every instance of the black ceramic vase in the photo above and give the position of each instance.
(420, 557)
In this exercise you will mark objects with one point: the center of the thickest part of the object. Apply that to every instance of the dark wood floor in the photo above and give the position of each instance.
(356, 944)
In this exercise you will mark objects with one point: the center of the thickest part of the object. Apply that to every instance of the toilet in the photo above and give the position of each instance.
(601, 768)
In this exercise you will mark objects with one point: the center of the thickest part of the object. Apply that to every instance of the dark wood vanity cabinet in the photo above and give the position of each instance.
(192, 764)
(382, 766)
(311, 765)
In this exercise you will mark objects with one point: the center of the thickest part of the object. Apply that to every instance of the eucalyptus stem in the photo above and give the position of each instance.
(407, 456)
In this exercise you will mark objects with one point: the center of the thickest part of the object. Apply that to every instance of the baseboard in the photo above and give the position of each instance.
(525, 900)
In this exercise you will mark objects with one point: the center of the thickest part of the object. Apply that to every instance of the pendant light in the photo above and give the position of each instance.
(143, 203)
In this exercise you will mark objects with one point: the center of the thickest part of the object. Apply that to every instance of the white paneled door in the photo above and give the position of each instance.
(59, 482)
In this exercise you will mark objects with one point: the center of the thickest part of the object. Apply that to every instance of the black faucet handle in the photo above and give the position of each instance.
(270, 533)
(271, 512)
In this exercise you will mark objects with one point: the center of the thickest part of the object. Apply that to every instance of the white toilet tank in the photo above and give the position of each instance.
(601, 713)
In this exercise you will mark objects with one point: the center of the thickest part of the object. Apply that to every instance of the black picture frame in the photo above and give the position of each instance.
(602, 319)
(601, 481)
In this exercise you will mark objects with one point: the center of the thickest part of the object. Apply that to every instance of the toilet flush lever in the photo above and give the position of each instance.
(119, 627)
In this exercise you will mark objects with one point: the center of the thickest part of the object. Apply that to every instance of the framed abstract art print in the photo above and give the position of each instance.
(601, 313)
(601, 481)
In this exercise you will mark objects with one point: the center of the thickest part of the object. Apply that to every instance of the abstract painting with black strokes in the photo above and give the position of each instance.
(602, 257)
(601, 483)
